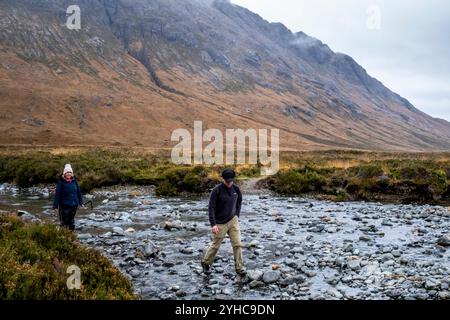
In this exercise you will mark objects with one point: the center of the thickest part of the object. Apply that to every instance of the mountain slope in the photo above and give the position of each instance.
(140, 68)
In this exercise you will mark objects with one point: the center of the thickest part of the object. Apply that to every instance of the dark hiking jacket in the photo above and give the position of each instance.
(224, 204)
(67, 194)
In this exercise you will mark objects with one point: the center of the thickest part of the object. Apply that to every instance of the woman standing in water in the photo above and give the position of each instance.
(67, 198)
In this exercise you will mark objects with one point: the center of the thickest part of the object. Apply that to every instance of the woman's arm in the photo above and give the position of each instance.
(57, 195)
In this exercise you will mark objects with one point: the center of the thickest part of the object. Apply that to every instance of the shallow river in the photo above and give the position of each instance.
(294, 248)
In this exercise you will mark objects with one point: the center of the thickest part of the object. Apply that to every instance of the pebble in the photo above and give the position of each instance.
(276, 266)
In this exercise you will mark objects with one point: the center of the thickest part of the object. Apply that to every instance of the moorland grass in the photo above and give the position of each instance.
(341, 175)
(34, 258)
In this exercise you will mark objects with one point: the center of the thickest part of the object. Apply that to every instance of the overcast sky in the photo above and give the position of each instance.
(403, 43)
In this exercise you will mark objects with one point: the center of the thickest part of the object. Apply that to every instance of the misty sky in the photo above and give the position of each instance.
(408, 48)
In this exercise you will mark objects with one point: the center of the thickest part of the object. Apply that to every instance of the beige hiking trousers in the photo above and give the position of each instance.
(234, 232)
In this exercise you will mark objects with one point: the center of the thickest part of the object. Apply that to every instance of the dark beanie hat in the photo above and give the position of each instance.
(228, 174)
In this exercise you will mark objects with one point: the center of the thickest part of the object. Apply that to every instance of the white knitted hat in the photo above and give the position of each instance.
(67, 168)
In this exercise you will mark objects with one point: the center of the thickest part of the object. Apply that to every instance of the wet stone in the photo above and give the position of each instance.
(188, 250)
(354, 264)
(271, 276)
(365, 238)
(444, 241)
(255, 274)
(168, 264)
(150, 250)
(118, 231)
(256, 284)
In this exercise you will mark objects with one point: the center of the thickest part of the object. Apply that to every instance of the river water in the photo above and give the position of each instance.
(294, 248)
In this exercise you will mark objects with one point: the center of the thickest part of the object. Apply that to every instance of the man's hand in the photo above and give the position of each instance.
(55, 211)
(215, 230)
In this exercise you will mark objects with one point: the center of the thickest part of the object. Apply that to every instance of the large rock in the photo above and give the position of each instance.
(271, 276)
(135, 273)
(365, 238)
(444, 241)
(354, 264)
(386, 257)
(169, 225)
(370, 270)
(118, 231)
(188, 250)
(335, 293)
(432, 284)
(84, 236)
(253, 244)
(26, 216)
(130, 230)
(150, 250)
(255, 275)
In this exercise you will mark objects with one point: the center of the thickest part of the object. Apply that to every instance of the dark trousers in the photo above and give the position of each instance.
(67, 216)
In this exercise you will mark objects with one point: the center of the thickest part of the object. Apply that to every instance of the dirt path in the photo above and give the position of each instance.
(250, 186)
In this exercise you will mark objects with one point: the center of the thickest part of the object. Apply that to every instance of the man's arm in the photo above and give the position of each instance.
(57, 195)
(239, 202)
(212, 207)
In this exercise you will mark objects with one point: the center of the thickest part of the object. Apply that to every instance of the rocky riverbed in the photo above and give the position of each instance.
(294, 248)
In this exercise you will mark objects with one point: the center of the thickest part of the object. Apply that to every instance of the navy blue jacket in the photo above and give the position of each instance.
(224, 204)
(67, 194)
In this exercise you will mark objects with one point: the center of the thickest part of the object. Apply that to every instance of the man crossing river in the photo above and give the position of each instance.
(224, 210)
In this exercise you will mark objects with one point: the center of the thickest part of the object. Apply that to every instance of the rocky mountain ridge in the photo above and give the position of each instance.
(138, 69)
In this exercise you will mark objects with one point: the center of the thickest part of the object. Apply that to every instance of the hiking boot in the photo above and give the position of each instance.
(241, 273)
(206, 268)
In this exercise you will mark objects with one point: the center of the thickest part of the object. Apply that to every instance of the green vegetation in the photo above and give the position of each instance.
(98, 168)
(34, 259)
(338, 175)
(298, 181)
(343, 176)
(174, 180)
